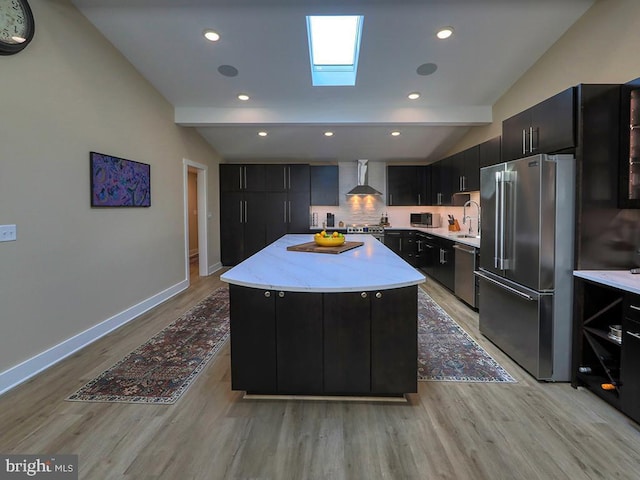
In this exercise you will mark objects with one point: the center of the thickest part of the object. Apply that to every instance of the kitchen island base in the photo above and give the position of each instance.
(338, 344)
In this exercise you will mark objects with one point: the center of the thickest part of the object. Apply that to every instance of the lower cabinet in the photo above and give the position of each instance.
(403, 244)
(436, 258)
(607, 366)
(352, 343)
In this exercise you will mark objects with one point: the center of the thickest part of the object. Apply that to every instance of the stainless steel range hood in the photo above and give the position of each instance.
(363, 188)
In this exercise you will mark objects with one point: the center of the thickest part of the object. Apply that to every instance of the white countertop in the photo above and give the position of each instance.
(369, 267)
(621, 279)
(444, 233)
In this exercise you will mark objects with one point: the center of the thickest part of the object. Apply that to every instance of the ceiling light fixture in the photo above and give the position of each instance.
(328, 134)
(444, 33)
(413, 96)
(395, 134)
(243, 96)
(262, 134)
(211, 35)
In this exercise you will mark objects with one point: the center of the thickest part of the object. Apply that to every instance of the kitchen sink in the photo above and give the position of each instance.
(468, 236)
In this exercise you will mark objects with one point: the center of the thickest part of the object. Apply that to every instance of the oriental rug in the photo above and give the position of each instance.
(447, 353)
(161, 370)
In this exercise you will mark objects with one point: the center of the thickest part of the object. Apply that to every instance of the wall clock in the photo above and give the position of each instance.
(16, 26)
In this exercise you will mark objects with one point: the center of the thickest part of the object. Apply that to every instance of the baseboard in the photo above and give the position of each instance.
(214, 268)
(24, 371)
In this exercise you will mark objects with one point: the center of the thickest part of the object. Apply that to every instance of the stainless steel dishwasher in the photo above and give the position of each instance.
(465, 280)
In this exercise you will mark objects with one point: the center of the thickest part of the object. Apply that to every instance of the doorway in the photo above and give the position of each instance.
(195, 219)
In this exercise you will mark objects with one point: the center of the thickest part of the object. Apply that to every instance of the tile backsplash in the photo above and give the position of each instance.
(369, 209)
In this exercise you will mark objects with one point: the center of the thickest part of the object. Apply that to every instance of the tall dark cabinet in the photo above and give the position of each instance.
(629, 184)
(258, 204)
(324, 185)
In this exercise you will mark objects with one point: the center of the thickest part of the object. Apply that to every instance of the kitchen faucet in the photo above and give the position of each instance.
(465, 216)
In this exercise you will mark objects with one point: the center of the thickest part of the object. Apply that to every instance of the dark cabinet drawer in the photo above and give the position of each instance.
(632, 306)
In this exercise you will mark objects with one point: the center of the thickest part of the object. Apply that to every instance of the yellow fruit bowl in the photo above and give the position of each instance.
(329, 241)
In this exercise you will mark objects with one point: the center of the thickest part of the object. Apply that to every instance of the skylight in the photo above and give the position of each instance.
(334, 45)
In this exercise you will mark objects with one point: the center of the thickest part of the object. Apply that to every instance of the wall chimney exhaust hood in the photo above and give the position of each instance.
(363, 188)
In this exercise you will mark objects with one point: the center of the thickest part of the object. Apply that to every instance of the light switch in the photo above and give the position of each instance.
(7, 233)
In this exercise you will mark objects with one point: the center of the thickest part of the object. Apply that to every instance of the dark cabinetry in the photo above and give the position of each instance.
(324, 185)
(408, 185)
(403, 243)
(489, 152)
(436, 258)
(630, 359)
(547, 127)
(259, 204)
(442, 182)
(345, 343)
(629, 188)
(606, 365)
(466, 170)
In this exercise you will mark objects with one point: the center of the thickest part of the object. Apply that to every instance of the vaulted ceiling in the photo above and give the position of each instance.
(265, 41)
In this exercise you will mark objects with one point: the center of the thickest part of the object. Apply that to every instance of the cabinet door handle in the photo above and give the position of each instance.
(391, 199)
(267, 294)
(524, 141)
(464, 183)
(289, 211)
(379, 295)
(634, 334)
(245, 177)
(531, 139)
(363, 294)
(246, 212)
(634, 307)
(281, 294)
(284, 211)
(284, 178)
(289, 176)
(241, 216)
(419, 200)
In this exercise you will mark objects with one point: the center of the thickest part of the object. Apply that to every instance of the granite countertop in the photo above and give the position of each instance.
(369, 267)
(621, 279)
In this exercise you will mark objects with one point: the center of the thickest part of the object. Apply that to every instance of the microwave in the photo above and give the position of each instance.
(425, 219)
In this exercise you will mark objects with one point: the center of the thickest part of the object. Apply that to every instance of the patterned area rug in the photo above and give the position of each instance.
(162, 369)
(447, 353)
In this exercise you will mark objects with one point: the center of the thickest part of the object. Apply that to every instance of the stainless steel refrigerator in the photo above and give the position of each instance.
(526, 261)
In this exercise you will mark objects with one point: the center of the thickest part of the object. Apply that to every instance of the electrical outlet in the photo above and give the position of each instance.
(7, 233)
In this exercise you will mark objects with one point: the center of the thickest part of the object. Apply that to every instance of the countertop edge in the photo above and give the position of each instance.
(328, 289)
(621, 279)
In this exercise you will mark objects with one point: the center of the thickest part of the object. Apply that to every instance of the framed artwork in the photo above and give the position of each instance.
(116, 182)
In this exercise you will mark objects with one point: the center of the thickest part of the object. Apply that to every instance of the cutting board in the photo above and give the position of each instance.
(315, 248)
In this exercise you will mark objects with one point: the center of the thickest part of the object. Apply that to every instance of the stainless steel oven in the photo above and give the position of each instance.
(376, 230)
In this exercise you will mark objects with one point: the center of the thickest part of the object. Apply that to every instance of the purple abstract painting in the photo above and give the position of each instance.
(116, 182)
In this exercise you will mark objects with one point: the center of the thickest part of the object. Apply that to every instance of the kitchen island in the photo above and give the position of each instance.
(324, 324)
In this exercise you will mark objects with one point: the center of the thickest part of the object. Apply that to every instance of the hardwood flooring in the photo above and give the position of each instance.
(527, 430)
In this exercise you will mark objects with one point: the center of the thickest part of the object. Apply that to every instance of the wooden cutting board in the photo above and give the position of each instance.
(315, 248)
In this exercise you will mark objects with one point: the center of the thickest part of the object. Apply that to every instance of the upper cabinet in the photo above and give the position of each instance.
(466, 170)
(629, 188)
(547, 127)
(237, 178)
(489, 152)
(408, 185)
(287, 178)
(324, 185)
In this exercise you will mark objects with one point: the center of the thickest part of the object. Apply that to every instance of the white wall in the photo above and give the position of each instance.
(70, 92)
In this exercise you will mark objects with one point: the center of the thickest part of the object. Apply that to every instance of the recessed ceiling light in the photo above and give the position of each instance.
(328, 134)
(444, 32)
(211, 35)
(262, 134)
(413, 95)
(243, 96)
(395, 134)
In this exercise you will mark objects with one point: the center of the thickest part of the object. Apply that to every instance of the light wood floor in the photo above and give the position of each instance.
(527, 430)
